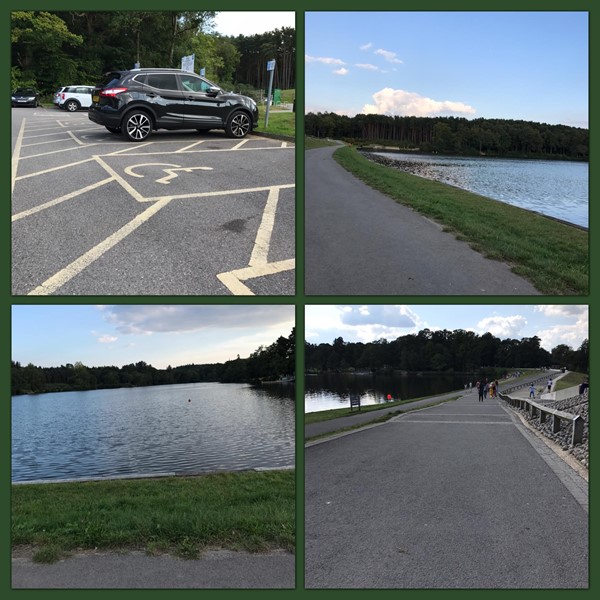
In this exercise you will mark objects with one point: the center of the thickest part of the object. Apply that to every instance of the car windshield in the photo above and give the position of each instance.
(25, 91)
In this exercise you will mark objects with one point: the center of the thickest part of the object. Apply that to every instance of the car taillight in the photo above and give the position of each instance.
(113, 91)
(63, 96)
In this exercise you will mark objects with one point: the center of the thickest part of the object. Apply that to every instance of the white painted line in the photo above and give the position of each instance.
(79, 162)
(262, 242)
(57, 151)
(129, 170)
(16, 156)
(36, 209)
(233, 279)
(75, 138)
(234, 285)
(213, 150)
(122, 151)
(238, 146)
(47, 142)
(55, 282)
(62, 133)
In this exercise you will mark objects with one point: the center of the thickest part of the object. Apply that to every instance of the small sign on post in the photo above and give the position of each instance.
(187, 63)
(271, 70)
(354, 401)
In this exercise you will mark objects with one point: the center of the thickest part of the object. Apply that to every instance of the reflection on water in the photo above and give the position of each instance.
(552, 187)
(189, 428)
(332, 390)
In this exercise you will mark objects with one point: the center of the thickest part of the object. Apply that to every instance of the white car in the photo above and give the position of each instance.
(74, 97)
(56, 97)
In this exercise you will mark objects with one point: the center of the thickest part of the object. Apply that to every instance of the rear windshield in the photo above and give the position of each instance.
(24, 91)
(109, 80)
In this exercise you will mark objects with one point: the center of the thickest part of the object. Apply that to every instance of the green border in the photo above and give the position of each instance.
(299, 300)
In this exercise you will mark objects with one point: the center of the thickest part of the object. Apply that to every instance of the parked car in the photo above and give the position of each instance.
(74, 97)
(139, 101)
(56, 97)
(25, 97)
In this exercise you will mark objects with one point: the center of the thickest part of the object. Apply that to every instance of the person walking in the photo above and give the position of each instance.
(532, 391)
(480, 390)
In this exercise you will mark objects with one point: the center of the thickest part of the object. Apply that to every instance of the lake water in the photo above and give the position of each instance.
(332, 390)
(147, 430)
(555, 188)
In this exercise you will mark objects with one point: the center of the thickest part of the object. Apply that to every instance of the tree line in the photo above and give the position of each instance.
(455, 135)
(264, 364)
(55, 48)
(457, 351)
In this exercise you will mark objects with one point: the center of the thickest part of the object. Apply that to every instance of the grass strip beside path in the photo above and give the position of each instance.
(569, 380)
(280, 123)
(251, 511)
(552, 255)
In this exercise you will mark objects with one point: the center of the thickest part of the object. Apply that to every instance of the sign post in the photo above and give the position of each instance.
(271, 68)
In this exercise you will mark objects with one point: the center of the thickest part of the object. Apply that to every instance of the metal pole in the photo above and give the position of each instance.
(271, 67)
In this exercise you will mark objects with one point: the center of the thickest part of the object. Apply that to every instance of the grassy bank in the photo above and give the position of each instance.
(240, 511)
(552, 255)
(569, 380)
(313, 142)
(280, 123)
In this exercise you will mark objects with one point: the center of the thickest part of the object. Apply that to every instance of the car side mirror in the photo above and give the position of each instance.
(213, 91)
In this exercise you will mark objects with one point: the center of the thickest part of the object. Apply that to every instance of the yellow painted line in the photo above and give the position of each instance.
(262, 242)
(16, 156)
(238, 146)
(60, 132)
(124, 183)
(130, 168)
(185, 148)
(56, 152)
(122, 151)
(211, 150)
(46, 142)
(220, 192)
(75, 138)
(36, 209)
(55, 282)
(73, 164)
(233, 279)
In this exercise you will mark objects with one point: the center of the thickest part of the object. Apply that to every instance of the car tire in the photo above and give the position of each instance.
(136, 126)
(113, 129)
(239, 125)
(71, 105)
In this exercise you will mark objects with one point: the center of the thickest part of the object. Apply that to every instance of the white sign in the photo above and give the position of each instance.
(270, 65)
(187, 63)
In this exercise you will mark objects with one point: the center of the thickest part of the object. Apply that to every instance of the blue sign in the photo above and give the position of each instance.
(271, 65)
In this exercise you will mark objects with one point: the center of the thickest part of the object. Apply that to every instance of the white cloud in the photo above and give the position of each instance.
(366, 46)
(389, 56)
(145, 320)
(401, 102)
(572, 334)
(502, 327)
(561, 310)
(107, 339)
(367, 66)
(252, 22)
(342, 71)
(381, 315)
(324, 60)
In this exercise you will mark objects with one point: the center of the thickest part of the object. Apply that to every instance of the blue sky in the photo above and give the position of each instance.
(553, 324)
(509, 65)
(158, 335)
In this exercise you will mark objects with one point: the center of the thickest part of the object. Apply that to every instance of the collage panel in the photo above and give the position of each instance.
(158, 163)
(446, 446)
(153, 446)
(447, 167)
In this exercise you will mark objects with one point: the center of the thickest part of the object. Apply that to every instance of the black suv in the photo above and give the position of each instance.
(138, 101)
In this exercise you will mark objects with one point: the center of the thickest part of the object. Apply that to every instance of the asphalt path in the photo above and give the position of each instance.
(184, 213)
(359, 241)
(216, 569)
(455, 496)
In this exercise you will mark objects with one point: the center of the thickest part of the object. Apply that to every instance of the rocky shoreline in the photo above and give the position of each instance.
(578, 405)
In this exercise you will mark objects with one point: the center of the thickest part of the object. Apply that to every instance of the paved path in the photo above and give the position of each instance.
(359, 241)
(220, 569)
(454, 496)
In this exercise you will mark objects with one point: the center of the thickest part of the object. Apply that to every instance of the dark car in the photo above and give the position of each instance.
(25, 97)
(139, 101)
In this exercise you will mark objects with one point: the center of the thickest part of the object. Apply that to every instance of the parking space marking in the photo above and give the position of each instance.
(185, 148)
(238, 146)
(16, 156)
(35, 209)
(57, 151)
(73, 164)
(264, 188)
(123, 150)
(120, 180)
(46, 142)
(232, 280)
(262, 242)
(59, 279)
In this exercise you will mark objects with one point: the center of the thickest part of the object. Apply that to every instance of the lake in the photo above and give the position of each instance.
(332, 390)
(555, 188)
(150, 430)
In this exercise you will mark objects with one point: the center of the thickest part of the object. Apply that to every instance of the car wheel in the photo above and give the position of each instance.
(71, 105)
(239, 125)
(137, 126)
(113, 129)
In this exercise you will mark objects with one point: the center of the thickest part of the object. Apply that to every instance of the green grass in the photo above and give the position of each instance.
(552, 255)
(240, 511)
(569, 380)
(280, 123)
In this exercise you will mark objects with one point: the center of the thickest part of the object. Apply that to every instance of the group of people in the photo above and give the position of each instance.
(484, 388)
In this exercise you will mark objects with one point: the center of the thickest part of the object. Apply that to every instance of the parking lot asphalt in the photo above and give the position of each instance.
(184, 213)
